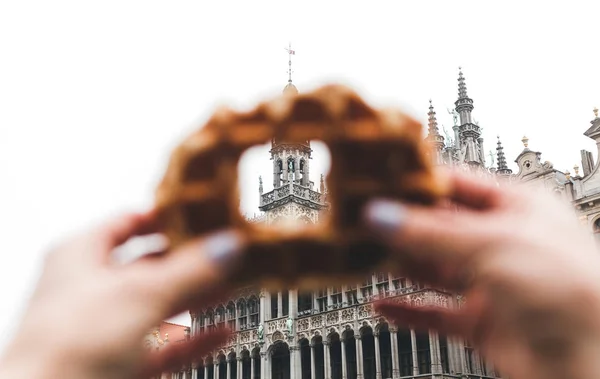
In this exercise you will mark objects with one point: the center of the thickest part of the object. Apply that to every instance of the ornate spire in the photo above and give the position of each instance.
(322, 184)
(260, 185)
(433, 127)
(596, 112)
(502, 167)
(462, 87)
(434, 135)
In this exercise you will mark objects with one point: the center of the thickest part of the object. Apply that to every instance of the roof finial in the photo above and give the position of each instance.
(433, 125)
(290, 53)
(502, 167)
(525, 141)
(462, 87)
(596, 112)
(576, 168)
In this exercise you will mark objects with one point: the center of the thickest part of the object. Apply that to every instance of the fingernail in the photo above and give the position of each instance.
(385, 217)
(222, 248)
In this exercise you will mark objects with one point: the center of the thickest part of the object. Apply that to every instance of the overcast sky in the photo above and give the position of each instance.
(94, 95)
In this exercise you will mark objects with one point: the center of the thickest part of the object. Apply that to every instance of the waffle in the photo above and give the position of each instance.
(374, 153)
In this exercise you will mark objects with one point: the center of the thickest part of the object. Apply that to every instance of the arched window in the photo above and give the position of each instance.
(253, 310)
(350, 345)
(368, 346)
(335, 352)
(305, 362)
(231, 315)
(596, 229)
(220, 317)
(201, 322)
(280, 362)
(242, 313)
(222, 367)
(210, 320)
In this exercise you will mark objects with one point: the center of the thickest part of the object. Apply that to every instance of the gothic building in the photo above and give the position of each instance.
(333, 333)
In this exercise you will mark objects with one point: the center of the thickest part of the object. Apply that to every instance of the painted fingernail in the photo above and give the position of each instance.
(385, 217)
(222, 248)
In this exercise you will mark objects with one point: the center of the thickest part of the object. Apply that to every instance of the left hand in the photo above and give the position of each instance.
(88, 316)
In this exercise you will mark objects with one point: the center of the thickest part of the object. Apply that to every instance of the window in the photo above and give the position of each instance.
(398, 283)
(285, 303)
(469, 355)
(253, 311)
(444, 354)
(351, 295)
(242, 314)
(322, 300)
(220, 317)
(367, 288)
(201, 322)
(336, 295)
(305, 303)
(231, 316)
(274, 304)
(383, 285)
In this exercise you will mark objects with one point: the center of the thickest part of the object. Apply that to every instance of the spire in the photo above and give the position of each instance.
(502, 167)
(290, 88)
(434, 135)
(260, 185)
(433, 128)
(462, 87)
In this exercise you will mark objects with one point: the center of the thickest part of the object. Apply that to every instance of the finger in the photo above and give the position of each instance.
(120, 229)
(195, 273)
(174, 356)
(433, 245)
(474, 192)
(442, 320)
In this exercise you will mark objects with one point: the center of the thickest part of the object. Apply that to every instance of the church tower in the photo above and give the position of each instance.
(469, 141)
(293, 197)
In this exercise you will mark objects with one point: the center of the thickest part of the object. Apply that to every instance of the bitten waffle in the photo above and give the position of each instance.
(374, 153)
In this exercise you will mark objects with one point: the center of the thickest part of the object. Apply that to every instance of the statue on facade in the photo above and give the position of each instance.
(454, 114)
(261, 332)
(289, 323)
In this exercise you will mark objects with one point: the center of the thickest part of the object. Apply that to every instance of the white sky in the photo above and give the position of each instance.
(93, 95)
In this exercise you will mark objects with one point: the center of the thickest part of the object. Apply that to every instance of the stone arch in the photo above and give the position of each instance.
(368, 347)
(366, 326)
(279, 353)
(246, 362)
(319, 355)
(305, 357)
(382, 324)
(232, 363)
(277, 336)
(221, 365)
(331, 332)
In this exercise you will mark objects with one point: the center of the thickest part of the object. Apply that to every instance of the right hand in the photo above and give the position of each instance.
(528, 270)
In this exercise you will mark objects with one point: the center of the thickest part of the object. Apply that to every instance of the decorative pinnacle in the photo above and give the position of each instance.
(322, 184)
(596, 112)
(576, 169)
(502, 167)
(433, 126)
(462, 87)
(525, 141)
(290, 53)
(568, 175)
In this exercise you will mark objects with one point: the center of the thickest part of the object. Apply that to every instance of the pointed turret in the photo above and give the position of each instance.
(502, 166)
(470, 140)
(434, 137)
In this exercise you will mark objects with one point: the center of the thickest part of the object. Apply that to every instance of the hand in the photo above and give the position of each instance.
(88, 317)
(528, 270)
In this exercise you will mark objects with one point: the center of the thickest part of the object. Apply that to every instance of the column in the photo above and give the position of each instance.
(293, 360)
(377, 356)
(216, 371)
(344, 368)
(413, 342)
(359, 360)
(263, 365)
(395, 354)
(293, 303)
(193, 325)
(251, 367)
(327, 359)
(434, 349)
(239, 367)
(263, 308)
(194, 368)
(229, 363)
(312, 361)
(206, 371)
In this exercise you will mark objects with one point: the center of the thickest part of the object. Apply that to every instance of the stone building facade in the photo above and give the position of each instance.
(334, 333)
